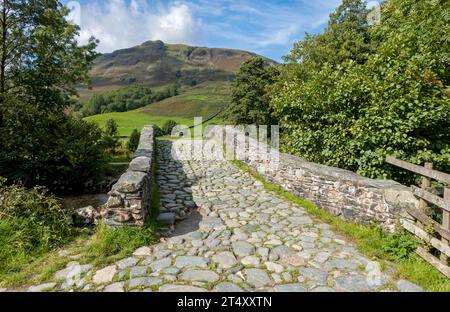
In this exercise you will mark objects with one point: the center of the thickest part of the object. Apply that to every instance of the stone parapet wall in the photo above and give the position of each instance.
(340, 192)
(129, 200)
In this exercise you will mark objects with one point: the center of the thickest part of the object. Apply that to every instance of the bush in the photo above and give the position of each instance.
(125, 99)
(400, 245)
(157, 131)
(168, 126)
(111, 128)
(394, 100)
(31, 222)
(60, 152)
(133, 142)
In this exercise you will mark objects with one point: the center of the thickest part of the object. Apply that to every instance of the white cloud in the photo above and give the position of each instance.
(120, 25)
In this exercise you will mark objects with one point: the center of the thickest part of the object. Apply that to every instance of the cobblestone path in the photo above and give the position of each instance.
(248, 239)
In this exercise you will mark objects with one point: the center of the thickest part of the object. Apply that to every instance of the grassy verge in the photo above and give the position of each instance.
(394, 249)
(106, 246)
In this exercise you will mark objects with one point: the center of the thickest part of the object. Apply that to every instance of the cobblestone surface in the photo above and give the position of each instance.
(249, 239)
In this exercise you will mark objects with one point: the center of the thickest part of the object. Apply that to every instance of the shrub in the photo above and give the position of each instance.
(157, 131)
(31, 222)
(57, 151)
(168, 126)
(133, 142)
(400, 245)
(125, 99)
(111, 128)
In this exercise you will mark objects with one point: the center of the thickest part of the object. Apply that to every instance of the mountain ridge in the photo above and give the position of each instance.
(157, 64)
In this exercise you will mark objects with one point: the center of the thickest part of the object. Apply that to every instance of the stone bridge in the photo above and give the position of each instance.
(230, 234)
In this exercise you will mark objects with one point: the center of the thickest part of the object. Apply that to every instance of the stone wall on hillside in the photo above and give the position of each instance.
(340, 192)
(129, 200)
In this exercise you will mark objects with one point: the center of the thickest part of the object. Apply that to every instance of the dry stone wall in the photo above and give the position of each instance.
(340, 192)
(129, 200)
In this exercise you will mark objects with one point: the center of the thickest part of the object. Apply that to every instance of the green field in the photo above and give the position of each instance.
(205, 100)
(128, 121)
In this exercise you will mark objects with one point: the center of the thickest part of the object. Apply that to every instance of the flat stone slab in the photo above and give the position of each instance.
(200, 275)
(211, 223)
(353, 283)
(180, 288)
(160, 264)
(105, 275)
(141, 164)
(225, 259)
(116, 287)
(138, 271)
(126, 263)
(316, 275)
(290, 288)
(191, 261)
(257, 277)
(72, 270)
(130, 182)
(323, 289)
(251, 260)
(143, 251)
(300, 220)
(144, 281)
(243, 248)
(42, 287)
(343, 264)
(227, 287)
(407, 286)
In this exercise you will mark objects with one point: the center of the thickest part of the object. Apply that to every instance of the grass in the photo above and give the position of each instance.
(127, 121)
(111, 244)
(206, 100)
(195, 102)
(388, 249)
(106, 246)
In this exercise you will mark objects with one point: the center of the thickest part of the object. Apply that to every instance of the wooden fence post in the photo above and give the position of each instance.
(426, 183)
(445, 222)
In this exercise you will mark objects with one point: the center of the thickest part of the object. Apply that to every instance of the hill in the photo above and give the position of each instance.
(156, 64)
(203, 76)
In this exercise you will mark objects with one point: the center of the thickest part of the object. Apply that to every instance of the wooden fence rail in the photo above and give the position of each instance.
(428, 230)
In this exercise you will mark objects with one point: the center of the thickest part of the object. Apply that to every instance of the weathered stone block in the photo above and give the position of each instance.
(141, 164)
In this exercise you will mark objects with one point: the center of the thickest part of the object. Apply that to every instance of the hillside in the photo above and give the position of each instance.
(206, 100)
(203, 76)
(156, 64)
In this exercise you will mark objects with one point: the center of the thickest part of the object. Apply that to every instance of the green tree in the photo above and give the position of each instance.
(111, 128)
(250, 93)
(40, 58)
(41, 63)
(125, 99)
(168, 126)
(389, 97)
(346, 38)
(133, 142)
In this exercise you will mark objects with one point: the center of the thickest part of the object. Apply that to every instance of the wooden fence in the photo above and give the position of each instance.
(436, 235)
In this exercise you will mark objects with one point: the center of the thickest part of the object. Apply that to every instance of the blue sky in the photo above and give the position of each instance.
(265, 27)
